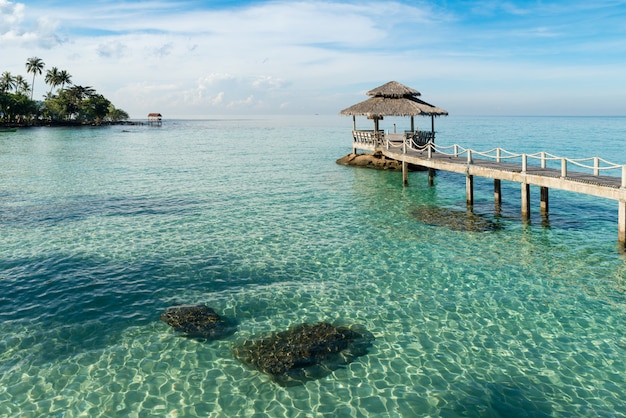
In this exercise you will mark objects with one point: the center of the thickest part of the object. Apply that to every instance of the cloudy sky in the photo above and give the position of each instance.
(201, 58)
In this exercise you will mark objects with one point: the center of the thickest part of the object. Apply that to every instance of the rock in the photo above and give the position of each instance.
(374, 160)
(197, 321)
(304, 352)
(457, 220)
(370, 160)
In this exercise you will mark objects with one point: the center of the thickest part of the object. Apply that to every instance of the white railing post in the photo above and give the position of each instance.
(456, 150)
(596, 166)
(469, 156)
(543, 159)
(624, 177)
(524, 162)
(563, 167)
(498, 154)
(430, 150)
(404, 146)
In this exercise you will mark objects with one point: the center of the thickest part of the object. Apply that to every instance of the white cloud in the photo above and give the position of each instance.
(218, 99)
(268, 82)
(16, 29)
(11, 14)
(111, 49)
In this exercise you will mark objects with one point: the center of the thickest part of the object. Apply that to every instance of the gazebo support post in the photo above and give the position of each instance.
(431, 176)
(354, 134)
(412, 123)
(432, 128)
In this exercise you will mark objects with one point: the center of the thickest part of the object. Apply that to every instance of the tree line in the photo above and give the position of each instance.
(64, 103)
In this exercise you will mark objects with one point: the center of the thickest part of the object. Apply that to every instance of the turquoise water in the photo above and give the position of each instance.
(104, 228)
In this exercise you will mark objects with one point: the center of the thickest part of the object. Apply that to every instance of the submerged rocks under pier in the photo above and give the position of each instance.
(456, 220)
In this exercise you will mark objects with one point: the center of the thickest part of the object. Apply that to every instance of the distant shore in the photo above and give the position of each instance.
(68, 123)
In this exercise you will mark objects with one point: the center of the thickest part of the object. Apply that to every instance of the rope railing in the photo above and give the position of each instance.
(499, 154)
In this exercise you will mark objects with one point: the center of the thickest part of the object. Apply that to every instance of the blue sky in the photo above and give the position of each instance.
(201, 58)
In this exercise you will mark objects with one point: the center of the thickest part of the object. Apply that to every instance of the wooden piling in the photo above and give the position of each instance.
(525, 201)
(431, 176)
(544, 206)
(621, 222)
(405, 173)
(497, 193)
(469, 190)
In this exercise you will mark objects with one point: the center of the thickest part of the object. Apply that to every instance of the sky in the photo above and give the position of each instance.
(248, 57)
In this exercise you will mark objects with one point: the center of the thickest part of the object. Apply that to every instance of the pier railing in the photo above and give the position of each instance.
(596, 165)
(380, 137)
(368, 137)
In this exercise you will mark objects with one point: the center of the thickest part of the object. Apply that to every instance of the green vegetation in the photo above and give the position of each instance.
(68, 104)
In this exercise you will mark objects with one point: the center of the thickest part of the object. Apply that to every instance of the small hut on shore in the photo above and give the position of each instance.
(392, 99)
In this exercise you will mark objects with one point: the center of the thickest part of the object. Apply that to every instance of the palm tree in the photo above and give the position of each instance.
(34, 65)
(65, 78)
(53, 78)
(21, 85)
(7, 82)
(82, 92)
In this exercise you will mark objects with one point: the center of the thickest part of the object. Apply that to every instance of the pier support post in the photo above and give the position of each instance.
(469, 190)
(497, 193)
(621, 222)
(431, 176)
(544, 205)
(405, 173)
(525, 201)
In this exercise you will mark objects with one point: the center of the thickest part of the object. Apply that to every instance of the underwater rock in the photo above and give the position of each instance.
(457, 220)
(197, 321)
(305, 352)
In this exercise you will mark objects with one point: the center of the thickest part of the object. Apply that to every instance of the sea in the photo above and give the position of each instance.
(103, 228)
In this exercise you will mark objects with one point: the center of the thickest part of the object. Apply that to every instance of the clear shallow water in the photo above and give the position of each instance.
(103, 229)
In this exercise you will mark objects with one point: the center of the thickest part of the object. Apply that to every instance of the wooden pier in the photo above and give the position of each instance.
(527, 169)
(418, 147)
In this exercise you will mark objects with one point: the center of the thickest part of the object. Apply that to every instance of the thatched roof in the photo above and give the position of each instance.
(393, 89)
(393, 99)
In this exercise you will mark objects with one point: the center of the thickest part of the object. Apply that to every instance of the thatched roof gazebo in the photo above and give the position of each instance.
(394, 99)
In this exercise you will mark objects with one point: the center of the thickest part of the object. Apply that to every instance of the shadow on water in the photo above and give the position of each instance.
(69, 304)
(78, 208)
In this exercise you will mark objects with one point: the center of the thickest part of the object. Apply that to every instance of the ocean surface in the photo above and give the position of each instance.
(102, 229)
